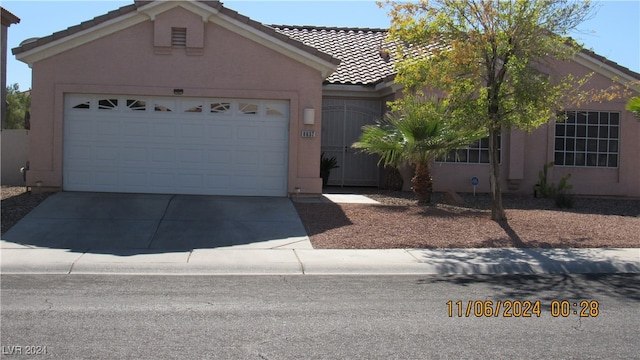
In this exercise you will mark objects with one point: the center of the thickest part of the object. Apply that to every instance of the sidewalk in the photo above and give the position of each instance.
(283, 261)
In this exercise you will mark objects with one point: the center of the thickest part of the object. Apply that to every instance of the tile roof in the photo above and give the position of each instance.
(603, 60)
(365, 56)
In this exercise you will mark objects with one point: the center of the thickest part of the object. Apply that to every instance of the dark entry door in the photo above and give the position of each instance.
(342, 122)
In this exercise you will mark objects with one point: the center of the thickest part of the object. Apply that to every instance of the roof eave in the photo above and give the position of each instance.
(8, 17)
(80, 34)
(608, 68)
(141, 11)
(377, 90)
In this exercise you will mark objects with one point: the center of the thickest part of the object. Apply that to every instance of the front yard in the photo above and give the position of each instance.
(397, 222)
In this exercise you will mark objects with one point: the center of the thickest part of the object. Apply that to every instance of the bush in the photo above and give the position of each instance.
(560, 193)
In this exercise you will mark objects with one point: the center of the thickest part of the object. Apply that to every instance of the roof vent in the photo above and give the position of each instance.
(178, 37)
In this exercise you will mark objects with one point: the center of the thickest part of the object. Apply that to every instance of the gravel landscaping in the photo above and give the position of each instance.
(398, 222)
(16, 203)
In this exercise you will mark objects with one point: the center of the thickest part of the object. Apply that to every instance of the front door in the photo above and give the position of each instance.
(342, 122)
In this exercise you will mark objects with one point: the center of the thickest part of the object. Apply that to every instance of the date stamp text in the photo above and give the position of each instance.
(522, 308)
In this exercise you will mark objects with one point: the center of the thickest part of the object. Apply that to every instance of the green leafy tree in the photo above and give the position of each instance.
(18, 105)
(634, 105)
(489, 57)
(414, 132)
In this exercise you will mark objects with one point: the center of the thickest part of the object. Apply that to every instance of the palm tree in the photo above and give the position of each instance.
(416, 131)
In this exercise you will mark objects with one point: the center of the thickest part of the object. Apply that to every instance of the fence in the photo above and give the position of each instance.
(14, 154)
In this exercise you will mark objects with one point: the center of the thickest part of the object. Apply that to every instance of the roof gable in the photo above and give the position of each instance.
(141, 11)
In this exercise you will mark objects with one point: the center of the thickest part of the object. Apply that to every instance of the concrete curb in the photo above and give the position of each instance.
(248, 261)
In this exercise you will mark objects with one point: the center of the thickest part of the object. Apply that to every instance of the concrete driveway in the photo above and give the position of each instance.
(100, 222)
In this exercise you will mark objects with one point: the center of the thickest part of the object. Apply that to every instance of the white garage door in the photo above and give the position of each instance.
(175, 145)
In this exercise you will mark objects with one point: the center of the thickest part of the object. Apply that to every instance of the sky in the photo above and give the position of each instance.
(613, 32)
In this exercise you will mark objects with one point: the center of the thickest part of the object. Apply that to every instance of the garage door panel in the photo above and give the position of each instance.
(247, 157)
(222, 156)
(105, 178)
(79, 152)
(272, 182)
(248, 132)
(78, 127)
(134, 129)
(133, 155)
(78, 178)
(167, 145)
(271, 155)
(107, 153)
(108, 129)
(164, 156)
(193, 131)
(164, 130)
(134, 179)
(162, 180)
(221, 131)
(246, 183)
(220, 183)
(195, 181)
(191, 156)
(275, 134)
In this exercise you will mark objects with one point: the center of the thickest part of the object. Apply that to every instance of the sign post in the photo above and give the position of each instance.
(474, 181)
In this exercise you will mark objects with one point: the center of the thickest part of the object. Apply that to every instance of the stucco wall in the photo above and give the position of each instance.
(14, 153)
(126, 62)
(524, 154)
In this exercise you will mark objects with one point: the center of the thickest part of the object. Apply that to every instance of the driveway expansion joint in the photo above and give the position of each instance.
(164, 213)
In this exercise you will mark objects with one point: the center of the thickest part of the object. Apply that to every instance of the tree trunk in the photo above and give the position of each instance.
(422, 184)
(497, 210)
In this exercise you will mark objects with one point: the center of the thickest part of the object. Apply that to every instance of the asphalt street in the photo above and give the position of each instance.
(320, 317)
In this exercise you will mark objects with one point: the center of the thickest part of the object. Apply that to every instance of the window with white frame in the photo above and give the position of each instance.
(587, 138)
(475, 153)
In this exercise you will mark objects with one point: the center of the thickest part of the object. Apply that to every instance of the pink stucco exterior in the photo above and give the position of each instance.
(524, 154)
(139, 60)
(226, 55)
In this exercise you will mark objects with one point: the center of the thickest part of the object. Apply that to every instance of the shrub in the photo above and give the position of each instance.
(560, 193)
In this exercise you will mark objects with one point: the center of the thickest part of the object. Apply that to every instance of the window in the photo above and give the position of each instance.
(476, 153)
(220, 107)
(107, 104)
(275, 109)
(587, 138)
(163, 106)
(84, 104)
(136, 105)
(178, 37)
(194, 109)
(248, 108)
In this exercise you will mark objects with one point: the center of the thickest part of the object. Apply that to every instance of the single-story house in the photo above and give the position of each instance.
(191, 97)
